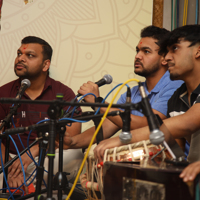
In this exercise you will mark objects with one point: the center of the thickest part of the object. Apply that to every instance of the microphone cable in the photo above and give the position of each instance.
(109, 94)
(4, 170)
(95, 97)
(82, 97)
(29, 154)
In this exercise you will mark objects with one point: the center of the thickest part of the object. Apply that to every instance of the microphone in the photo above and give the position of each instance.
(107, 79)
(156, 136)
(125, 136)
(25, 83)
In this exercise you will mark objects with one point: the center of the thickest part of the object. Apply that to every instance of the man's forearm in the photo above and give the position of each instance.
(35, 150)
(140, 134)
(74, 129)
(82, 140)
(3, 152)
(136, 121)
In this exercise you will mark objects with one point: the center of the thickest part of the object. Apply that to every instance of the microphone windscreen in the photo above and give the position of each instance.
(108, 78)
(26, 81)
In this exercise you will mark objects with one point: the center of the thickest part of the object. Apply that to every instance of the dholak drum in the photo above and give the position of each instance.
(92, 180)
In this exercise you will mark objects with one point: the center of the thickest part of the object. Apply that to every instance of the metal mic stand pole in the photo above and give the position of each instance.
(60, 182)
(40, 169)
(61, 176)
(6, 122)
(51, 156)
(53, 112)
(60, 179)
(5, 161)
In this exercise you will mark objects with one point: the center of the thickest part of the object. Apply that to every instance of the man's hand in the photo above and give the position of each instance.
(15, 169)
(67, 141)
(89, 87)
(105, 144)
(15, 182)
(15, 175)
(190, 172)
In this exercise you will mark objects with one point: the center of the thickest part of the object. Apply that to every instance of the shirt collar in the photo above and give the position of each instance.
(194, 95)
(161, 83)
(46, 85)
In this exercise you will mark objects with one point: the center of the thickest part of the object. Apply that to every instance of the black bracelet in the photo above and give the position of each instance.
(97, 100)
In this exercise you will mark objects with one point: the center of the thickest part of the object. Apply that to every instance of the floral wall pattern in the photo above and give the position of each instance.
(90, 38)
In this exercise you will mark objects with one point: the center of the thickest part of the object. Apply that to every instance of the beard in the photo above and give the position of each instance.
(18, 72)
(26, 74)
(145, 72)
(174, 77)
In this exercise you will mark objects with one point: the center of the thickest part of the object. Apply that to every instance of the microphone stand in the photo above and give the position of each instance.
(156, 136)
(40, 169)
(6, 123)
(54, 111)
(51, 156)
(96, 121)
(125, 136)
(60, 181)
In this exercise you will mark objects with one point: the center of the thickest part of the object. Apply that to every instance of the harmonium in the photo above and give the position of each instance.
(146, 181)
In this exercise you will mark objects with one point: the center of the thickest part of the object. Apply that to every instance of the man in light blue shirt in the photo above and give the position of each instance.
(158, 96)
(159, 88)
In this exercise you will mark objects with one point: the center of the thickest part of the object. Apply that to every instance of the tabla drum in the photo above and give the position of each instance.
(92, 180)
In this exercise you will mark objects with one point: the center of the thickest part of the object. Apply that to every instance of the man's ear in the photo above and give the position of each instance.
(197, 55)
(46, 65)
(163, 61)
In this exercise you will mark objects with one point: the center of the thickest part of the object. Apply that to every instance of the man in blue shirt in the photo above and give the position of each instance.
(158, 96)
(158, 86)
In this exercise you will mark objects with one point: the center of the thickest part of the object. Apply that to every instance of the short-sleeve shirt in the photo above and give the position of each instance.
(178, 105)
(29, 114)
(158, 97)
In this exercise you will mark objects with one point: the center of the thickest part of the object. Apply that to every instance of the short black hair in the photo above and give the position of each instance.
(154, 32)
(189, 33)
(47, 50)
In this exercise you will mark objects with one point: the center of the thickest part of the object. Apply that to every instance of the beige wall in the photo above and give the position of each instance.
(90, 38)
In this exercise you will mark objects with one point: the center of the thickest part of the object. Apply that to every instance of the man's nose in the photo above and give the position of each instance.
(21, 58)
(138, 55)
(168, 56)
